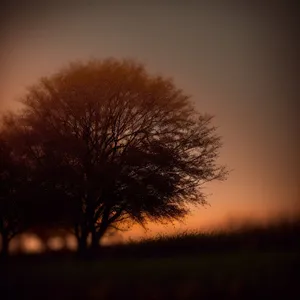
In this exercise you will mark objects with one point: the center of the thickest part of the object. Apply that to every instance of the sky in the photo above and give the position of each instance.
(237, 61)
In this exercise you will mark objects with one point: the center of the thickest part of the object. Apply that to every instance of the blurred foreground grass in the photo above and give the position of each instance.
(253, 263)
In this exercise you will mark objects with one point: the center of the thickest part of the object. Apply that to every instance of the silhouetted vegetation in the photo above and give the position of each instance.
(278, 236)
(100, 146)
(106, 144)
(249, 263)
(13, 185)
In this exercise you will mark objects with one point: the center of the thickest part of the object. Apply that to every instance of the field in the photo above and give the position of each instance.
(256, 263)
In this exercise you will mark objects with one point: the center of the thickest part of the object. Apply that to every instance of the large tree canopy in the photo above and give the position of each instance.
(116, 144)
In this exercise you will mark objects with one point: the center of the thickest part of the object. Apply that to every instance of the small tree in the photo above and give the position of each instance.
(12, 178)
(28, 200)
(119, 144)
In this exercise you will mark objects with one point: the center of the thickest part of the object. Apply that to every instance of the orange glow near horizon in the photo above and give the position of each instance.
(234, 65)
(31, 243)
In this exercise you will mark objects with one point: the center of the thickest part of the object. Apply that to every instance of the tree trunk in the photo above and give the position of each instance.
(95, 241)
(96, 237)
(81, 236)
(81, 246)
(98, 234)
(4, 246)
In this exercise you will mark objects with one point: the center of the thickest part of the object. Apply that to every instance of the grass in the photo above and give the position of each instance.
(253, 262)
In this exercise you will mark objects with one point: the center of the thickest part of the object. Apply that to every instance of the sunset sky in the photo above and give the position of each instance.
(238, 63)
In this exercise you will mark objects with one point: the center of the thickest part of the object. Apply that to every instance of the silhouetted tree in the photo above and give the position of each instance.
(12, 180)
(28, 199)
(117, 144)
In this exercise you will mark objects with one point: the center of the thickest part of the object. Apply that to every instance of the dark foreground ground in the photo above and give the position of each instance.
(248, 265)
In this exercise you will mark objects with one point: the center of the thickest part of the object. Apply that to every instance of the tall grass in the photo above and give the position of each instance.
(283, 235)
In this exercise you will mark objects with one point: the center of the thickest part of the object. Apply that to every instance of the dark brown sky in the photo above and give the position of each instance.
(239, 62)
